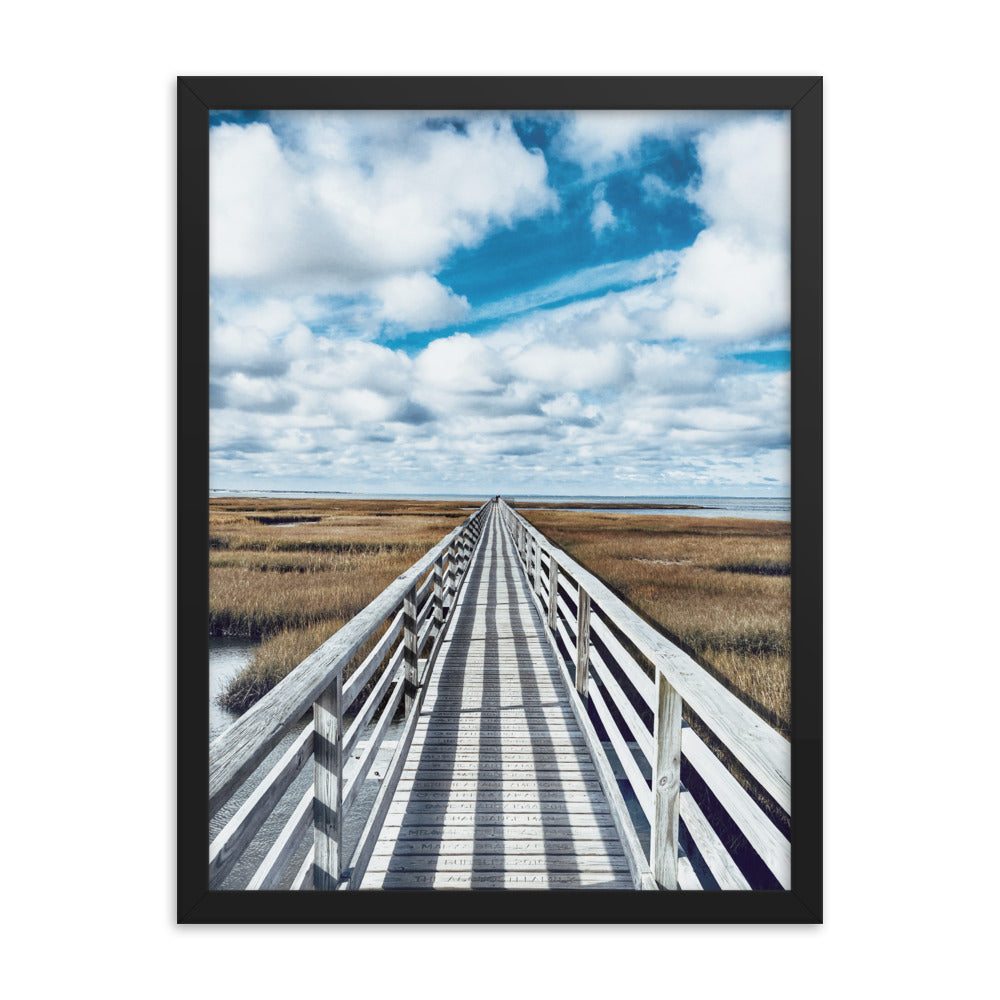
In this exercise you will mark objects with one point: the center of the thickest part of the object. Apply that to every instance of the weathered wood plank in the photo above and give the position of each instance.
(624, 754)
(328, 767)
(304, 879)
(554, 813)
(272, 868)
(410, 650)
(495, 880)
(642, 736)
(497, 756)
(522, 827)
(464, 799)
(553, 594)
(482, 784)
(582, 642)
(637, 677)
(374, 699)
(543, 730)
(496, 863)
(484, 846)
(445, 769)
(686, 877)
(664, 825)
(723, 868)
(373, 826)
(354, 685)
(765, 838)
(367, 759)
(234, 837)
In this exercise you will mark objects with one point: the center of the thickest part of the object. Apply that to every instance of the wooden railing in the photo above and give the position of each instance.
(405, 621)
(641, 712)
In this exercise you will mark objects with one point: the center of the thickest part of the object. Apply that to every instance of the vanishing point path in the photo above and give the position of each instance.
(541, 744)
(498, 789)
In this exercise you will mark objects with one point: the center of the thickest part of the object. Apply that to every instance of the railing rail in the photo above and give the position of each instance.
(413, 611)
(585, 618)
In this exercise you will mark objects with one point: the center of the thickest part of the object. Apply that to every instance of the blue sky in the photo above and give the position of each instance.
(565, 302)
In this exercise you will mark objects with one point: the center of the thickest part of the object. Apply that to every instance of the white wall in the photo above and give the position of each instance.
(88, 411)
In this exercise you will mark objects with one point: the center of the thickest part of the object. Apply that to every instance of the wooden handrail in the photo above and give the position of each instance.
(239, 750)
(418, 611)
(764, 752)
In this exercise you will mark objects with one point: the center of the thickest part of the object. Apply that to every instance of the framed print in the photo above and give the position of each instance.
(500, 456)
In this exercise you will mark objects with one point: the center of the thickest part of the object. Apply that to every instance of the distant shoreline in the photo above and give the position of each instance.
(679, 505)
(583, 505)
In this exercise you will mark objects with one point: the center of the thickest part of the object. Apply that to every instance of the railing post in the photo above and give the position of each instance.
(438, 613)
(582, 641)
(410, 649)
(538, 569)
(328, 774)
(666, 784)
(449, 577)
(553, 592)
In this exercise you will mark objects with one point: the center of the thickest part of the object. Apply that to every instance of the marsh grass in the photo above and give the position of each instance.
(720, 587)
(292, 572)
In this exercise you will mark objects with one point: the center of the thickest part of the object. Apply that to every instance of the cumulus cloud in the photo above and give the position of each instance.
(728, 288)
(734, 282)
(613, 377)
(746, 179)
(418, 301)
(327, 215)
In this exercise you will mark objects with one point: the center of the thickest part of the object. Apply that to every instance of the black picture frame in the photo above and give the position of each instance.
(196, 97)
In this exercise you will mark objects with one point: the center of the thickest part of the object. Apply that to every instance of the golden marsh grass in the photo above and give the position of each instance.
(721, 587)
(292, 572)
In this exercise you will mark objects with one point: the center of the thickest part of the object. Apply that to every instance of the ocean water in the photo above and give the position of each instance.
(759, 508)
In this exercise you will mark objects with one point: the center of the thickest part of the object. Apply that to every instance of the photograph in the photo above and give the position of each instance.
(499, 507)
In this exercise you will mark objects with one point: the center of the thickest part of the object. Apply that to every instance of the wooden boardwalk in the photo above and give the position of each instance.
(498, 789)
(539, 713)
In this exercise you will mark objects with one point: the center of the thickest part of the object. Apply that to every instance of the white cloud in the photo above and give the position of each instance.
(418, 301)
(602, 217)
(569, 366)
(734, 282)
(746, 179)
(655, 190)
(631, 387)
(459, 365)
(328, 216)
(601, 139)
(728, 289)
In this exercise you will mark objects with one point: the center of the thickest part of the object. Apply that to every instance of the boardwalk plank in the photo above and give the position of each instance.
(498, 789)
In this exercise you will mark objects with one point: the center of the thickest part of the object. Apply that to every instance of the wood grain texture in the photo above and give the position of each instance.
(763, 836)
(582, 642)
(328, 783)
(664, 826)
(234, 837)
(272, 868)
